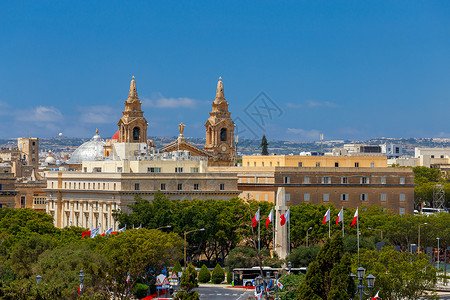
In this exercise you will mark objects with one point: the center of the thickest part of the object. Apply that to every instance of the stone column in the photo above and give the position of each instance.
(281, 234)
(91, 215)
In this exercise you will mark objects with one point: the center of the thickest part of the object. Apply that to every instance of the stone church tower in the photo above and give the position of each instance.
(132, 125)
(220, 132)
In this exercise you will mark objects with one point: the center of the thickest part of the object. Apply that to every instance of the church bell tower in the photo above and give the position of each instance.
(220, 131)
(133, 125)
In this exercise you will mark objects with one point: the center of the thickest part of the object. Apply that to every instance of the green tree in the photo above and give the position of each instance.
(177, 267)
(400, 275)
(218, 275)
(203, 275)
(134, 250)
(290, 284)
(188, 283)
(302, 256)
(264, 145)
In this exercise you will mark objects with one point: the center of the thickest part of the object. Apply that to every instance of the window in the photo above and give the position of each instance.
(300, 164)
(383, 180)
(136, 186)
(248, 164)
(442, 156)
(344, 180)
(432, 156)
(163, 186)
(317, 164)
(402, 197)
(336, 165)
(372, 165)
(397, 150)
(262, 164)
(22, 201)
(266, 197)
(257, 197)
(104, 185)
(248, 180)
(326, 197)
(178, 170)
(254, 164)
(306, 197)
(363, 197)
(223, 134)
(306, 180)
(344, 197)
(401, 211)
(222, 186)
(180, 186)
(256, 180)
(270, 163)
(402, 180)
(267, 180)
(195, 186)
(288, 197)
(193, 170)
(287, 180)
(326, 180)
(278, 163)
(154, 170)
(383, 197)
(364, 180)
(136, 133)
(97, 170)
(356, 164)
(85, 169)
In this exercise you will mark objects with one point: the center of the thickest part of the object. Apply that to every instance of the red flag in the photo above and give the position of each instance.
(340, 216)
(284, 218)
(376, 296)
(326, 217)
(355, 218)
(86, 233)
(255, 219)
(269, 218)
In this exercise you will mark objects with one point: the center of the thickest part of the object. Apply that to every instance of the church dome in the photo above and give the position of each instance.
(50, 159)
(115, 136)
(89, 151)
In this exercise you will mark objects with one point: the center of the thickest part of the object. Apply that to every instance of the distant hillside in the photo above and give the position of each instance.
(247, 147)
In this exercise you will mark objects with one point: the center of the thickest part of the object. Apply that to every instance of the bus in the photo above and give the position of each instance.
(246, 276)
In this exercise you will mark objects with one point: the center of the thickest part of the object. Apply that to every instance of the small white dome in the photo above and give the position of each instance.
(50, 159)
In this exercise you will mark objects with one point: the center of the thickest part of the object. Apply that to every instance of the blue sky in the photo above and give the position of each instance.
(349, 69)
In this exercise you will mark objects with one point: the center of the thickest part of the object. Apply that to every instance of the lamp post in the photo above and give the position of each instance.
(186, 233)
(289, 267)
(381, 231)
(307, 235)
(438, 254)
(418, 237)
(360, 287)
(81, 278)
(38, 279)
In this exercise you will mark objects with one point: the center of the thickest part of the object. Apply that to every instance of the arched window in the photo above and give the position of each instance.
(136, 133)
(223, 134)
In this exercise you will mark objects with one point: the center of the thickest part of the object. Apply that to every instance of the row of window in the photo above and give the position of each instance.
(179, 187)
(344, 180)
(77, 205)
(300, 164)
(85, 185)
(149, 170)
(345, 197)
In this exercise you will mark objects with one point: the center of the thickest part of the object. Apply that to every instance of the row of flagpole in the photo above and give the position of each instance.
(285, 219)
(96, 231)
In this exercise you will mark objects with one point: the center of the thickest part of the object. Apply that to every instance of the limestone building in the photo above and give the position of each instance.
(127, 167)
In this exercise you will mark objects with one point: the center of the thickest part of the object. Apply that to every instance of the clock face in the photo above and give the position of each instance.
(224, 148)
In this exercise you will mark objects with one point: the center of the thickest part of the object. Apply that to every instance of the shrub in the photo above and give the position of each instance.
(204, 276)
(229, 277)
(140, 290)
(218, 275)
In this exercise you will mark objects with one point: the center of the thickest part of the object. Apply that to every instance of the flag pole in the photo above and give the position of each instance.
(329, 224)
(289, 233)
(342, 222)
(357, 232)
(259, 230)
(273, 231)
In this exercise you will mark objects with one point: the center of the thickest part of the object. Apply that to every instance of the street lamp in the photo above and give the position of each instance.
(438, 253)
(361, 287)
(81, 278)
(377, 230)
(38, 279)
(418, 238)
(289, 267)
(186, 233)
(162, 227)
(307, 235)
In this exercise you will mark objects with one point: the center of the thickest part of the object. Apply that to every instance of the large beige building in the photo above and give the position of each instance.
(391, 188)
(113, 173)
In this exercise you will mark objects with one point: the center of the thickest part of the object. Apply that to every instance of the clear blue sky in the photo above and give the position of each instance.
(349, 69)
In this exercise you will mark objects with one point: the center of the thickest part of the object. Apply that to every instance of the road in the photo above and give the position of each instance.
(223, 293)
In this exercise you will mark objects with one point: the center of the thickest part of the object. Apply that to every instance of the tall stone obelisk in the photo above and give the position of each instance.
(281, 235)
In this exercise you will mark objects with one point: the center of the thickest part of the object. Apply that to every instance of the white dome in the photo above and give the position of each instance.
(89, 151)
(50, 159)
